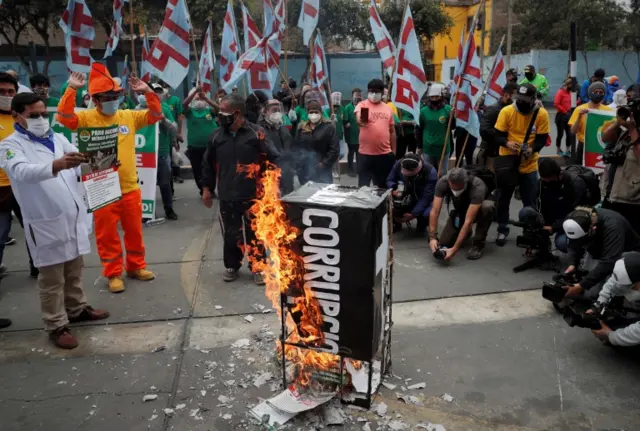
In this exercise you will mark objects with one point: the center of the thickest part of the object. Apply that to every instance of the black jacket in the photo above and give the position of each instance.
(614, 236)
(227, 154)
(559, 198)
(488, 133)
(323, 141)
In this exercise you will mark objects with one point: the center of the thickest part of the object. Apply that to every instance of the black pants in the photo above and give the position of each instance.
(406, 142)
(461, 137)
(352, 156)
(236, 232)
(16, 210)
(195, 156)
(577, 160)
(375, 168)
(562, 124)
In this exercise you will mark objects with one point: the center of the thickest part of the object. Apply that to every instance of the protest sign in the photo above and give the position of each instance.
(99, 175)
(597, 122)
(146, 159)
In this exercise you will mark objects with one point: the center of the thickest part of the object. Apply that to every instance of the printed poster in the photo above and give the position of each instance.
(146, 159)
(597, 122)
(99, 174)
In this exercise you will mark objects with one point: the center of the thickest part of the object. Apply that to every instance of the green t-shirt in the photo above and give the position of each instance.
(52, 102)
(353, 132)
(175, 105)
(301, 114)
(79, 92)
(434, 129)
(200, 124)
(164, 138)
(339, 113)
(406, 116)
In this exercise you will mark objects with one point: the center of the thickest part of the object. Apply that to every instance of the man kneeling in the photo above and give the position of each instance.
(472, 204)
(413, 183)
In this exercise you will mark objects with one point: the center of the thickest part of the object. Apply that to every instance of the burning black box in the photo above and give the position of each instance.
(344, 240)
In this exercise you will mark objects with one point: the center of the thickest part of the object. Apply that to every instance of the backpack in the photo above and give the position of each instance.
(487, 177)
(590, 179)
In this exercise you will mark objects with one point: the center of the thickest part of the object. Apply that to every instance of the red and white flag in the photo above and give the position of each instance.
(470, 64)
(465, 112)
(252, 34)
(125, 72)
(77, 25)
(169, 55)
(497, 78)
(116, 27)
(269, 16)
(248, 61)
(230, 47)
(320, 71)
(458, 64)
(384, 43)
(145, 69)
(280, 19)
(207, 62)
(308, 19)
(258, 74)
(274, 45)
(409, 79)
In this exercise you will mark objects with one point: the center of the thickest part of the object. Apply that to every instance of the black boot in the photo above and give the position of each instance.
(170, 214)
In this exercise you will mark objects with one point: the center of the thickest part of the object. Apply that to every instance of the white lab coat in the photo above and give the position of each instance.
(53, 209)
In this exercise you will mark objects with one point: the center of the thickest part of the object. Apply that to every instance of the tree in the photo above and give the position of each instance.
(428, 16)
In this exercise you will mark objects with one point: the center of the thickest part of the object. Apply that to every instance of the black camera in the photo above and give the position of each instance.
(440, 253)
(534, 237)
(555, 290)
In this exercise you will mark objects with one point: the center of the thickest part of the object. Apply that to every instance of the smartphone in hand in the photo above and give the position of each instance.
(364, 115)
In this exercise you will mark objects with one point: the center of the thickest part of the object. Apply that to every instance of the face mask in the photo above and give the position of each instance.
(42, 92)
(529, 76)
(142, 101)
(524, 107)
(457, 193)
(226, 121)
(109, 108)
(5, 103)
(274, 118)
(200, 104)
(435, 104)
(37, 126)
(375, 97)
(314, 118)
(596, 98)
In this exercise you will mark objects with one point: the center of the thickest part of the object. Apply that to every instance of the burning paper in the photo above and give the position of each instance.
(279, 409)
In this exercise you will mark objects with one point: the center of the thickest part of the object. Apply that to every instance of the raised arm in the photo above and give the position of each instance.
(67, 105)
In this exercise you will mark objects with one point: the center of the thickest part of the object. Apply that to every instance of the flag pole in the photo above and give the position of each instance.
(193, 44)
(455, 96)
(395, 62)
(134, 67)
(328, 79)
(286, 40)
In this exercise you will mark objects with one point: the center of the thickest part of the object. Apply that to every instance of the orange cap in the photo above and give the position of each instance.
(100, 80)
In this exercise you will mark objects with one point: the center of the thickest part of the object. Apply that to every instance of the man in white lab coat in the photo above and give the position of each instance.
(40, 165)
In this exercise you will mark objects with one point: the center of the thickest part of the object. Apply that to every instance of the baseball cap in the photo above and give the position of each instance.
(526, 93)
(157, 87)
(577, 224)
(529, 68)
(599, 73)
(627, 270)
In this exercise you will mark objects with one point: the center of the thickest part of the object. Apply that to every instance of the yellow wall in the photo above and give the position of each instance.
(450, 42)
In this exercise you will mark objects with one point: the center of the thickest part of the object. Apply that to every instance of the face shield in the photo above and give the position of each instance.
(273, 112)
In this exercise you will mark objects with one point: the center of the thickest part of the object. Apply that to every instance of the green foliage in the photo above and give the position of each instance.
(429, 18)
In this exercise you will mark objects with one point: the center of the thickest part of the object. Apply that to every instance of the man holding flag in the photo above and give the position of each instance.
(105, 94)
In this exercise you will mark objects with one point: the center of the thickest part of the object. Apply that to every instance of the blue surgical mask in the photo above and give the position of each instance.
(110, 107)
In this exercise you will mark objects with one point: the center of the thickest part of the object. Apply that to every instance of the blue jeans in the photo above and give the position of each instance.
(528, 192)
(562, 242)
(164, 180)
(5, 228)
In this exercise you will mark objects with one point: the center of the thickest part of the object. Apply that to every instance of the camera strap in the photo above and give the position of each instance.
(531, 124)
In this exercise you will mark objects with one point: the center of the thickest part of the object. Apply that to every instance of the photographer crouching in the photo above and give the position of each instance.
(605, 235)
(622, 155)
(413, 182)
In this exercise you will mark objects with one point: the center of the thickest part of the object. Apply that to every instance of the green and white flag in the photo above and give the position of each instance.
(597, 121)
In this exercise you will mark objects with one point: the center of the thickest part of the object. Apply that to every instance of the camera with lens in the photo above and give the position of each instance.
(555, 289)
(440, 253)
(533, 236)
(617, 153)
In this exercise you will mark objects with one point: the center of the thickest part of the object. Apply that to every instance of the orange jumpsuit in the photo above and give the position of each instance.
(128, 210)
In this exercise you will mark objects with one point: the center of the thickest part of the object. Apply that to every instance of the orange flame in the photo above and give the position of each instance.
(252, 170)
(283, 270)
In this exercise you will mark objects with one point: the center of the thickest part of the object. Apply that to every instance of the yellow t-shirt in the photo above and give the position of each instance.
(516, 124)
(6, 128)
(393, 108)
(582, 119)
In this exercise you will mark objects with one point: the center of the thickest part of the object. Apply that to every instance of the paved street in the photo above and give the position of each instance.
(473, 330)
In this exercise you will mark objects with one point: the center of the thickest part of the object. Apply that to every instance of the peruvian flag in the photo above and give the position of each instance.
(497, 78)
(466, 115)
(409, 79)
(116, 27)
(248, 61)
(308, 19)
(207, 61)
(77, 25)
(145, 69)
(230, 47)
(259, 78)
(169, 55)
(385, 45)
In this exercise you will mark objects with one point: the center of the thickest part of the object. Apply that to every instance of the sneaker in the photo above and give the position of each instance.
(4, 323)
(170, 214)
(116, 285)
(141, 274)
(10, 241)
(89, 314)
(475, 252)
(63, 338)
(501, 240)
(258, 279)
(230, 274)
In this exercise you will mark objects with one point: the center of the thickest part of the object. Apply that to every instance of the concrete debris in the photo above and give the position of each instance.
(153, 388)
(430, 427)
(381, 410)
(153, 417)
(180, 406)
(409, 399)
(389, 386)
(262, 379)
(168, 412)
(248, 318)
(158, 349)
(203, 393)
(227, 416)
(195, 413)
(258, 307)
(267, 311)
(448, 398)
(218, 307)
(366, 427)
(333, 415)
(397, 425)
(223, 399)
(149, 397)
(420, 385)
(241, 343)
